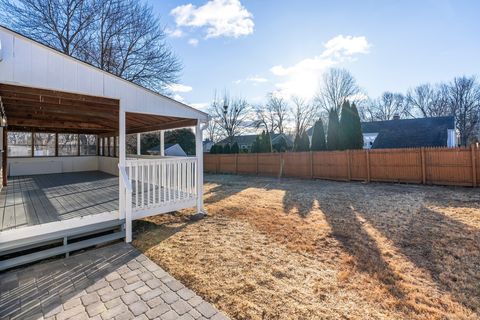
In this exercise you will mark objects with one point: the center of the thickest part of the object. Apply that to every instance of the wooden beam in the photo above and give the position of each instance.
(15, 89)
(55, 124)
(163, 126)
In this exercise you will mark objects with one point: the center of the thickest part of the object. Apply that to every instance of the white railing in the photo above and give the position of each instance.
(162, 182)
(154, 186)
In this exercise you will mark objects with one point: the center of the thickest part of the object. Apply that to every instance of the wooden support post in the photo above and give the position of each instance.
(56, 144)
(349, 169)
(4, 157)
(367, 155)
(33, 143)
(311, 165)
(474, 166)
(424, 176)
(78, 144)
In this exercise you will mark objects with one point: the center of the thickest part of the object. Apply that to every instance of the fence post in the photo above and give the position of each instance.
(217, 163)
(256, 165)
(349, 169)
(474, 166)
(236, 163)
(311, 165)
(367, 155)
(424, 176)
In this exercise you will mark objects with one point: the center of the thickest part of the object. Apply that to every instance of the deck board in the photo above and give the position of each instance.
(37, 199)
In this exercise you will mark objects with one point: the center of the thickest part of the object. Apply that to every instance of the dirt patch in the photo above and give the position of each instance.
(293, 249)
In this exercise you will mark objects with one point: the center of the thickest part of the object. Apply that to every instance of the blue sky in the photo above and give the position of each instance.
(251, 48)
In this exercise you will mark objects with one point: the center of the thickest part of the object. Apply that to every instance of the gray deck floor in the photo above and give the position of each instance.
(37, 199)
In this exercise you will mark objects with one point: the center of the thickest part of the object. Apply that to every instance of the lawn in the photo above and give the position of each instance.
(298, 249)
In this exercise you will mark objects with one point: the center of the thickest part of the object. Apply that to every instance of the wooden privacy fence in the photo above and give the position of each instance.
(440, 166)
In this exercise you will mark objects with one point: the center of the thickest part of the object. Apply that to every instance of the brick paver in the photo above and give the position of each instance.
(113, 282)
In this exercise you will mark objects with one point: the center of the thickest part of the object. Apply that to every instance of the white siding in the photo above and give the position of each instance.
(27, 63)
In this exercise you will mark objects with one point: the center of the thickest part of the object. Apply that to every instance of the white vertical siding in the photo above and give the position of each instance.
(28, 63)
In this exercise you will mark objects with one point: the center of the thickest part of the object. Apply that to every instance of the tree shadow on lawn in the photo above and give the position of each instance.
(446, 248)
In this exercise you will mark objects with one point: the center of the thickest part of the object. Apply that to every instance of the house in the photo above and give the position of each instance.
(207, 145)
(170, 150)
(410, 133)
(245, 142)
(65, 171)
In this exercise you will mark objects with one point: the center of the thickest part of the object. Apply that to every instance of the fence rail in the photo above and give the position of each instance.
(439, 166)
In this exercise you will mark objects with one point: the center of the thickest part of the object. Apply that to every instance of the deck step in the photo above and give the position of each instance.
(25, 250)
(48, 253)
(71, 233)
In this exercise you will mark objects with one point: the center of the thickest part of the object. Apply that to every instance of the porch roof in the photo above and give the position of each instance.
(40, 71)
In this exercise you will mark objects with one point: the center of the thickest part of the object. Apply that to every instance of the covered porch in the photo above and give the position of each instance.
(65, 170)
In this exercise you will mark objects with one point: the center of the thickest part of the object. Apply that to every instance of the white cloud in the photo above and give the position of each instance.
(303, 78)
(174, 33)
(256, 79)
(227, 18)
(177, 87)
(200, 105)
(178, 97)
(193, 42)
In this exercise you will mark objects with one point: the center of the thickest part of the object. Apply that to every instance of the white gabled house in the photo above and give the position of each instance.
(68, 119)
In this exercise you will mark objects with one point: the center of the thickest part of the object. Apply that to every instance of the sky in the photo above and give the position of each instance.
(250, 48)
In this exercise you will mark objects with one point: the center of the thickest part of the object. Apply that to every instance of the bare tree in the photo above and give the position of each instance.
(123, 37)
(303, 114)
(232, 115)
(213, 129)
(273, 115)
(464, 101)
(338, 85)
(63, 25)
(428, 100)
(386, 107)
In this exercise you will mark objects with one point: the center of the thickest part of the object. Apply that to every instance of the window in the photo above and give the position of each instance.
(67, 144)
(88, 144)
(44, 144)
(19, 144)
(111, 151)
(105, 146)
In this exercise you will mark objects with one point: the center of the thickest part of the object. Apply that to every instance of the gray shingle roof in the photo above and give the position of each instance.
(250, 138)
(410, 133)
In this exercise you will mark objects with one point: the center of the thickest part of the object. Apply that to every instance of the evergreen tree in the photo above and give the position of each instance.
(318, 137)
(227, 149)
(357, 135)
(267, 143)
(296, 142)
(256, 145)
(304, 143)
(213, 149)
(219, 149)
(333, 130)
(345, 132)
(235, 148)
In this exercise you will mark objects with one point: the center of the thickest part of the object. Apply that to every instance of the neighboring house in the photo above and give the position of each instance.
(245, 142)
(207, 145)
(170, 149)
(410, 133)
(65, 118)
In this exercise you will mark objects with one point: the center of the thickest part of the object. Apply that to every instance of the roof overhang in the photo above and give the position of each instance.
(27, 63)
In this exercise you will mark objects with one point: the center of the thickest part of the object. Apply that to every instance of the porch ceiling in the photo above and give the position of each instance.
(32, 109)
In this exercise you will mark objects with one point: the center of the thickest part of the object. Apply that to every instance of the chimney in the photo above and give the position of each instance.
(396, 116)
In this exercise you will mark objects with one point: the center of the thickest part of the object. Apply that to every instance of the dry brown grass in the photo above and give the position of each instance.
(296, 249)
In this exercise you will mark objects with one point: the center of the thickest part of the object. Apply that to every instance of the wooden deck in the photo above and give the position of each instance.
(37, 199)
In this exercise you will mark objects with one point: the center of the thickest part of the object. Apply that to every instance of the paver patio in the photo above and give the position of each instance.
(113, 282)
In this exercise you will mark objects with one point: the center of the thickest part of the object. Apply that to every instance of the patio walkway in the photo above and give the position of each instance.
(113, 282)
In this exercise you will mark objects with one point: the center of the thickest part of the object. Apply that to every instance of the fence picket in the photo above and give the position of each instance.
(442, 166)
